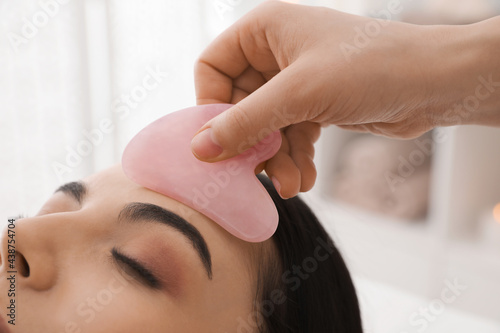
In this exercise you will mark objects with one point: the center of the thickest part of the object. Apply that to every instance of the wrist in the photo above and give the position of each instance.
(465, 73)
(487, 85)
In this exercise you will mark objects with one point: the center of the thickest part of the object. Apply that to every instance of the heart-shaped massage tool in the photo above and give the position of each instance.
(159, 158)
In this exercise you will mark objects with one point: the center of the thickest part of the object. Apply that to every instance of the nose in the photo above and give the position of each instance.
(24, 256)
(31, 249)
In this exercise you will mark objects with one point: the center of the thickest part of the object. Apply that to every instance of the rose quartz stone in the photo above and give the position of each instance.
(159, 158)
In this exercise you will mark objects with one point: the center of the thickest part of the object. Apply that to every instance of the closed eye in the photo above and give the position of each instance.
(136, 270)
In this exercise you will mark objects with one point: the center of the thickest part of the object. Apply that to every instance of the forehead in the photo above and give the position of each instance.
(111, 186)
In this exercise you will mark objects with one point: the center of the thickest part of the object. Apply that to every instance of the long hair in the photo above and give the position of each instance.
(305, 287)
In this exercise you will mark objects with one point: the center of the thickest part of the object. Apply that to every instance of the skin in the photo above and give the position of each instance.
(67, 247)
(289, 62)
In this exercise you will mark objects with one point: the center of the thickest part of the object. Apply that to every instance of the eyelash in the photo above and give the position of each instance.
(139, 272)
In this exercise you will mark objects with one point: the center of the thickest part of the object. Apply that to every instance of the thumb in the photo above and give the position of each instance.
(273, 106)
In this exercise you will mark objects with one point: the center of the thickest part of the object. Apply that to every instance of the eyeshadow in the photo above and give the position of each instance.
(160, 253)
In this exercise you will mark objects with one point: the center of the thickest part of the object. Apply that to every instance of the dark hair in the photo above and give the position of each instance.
(305, 286)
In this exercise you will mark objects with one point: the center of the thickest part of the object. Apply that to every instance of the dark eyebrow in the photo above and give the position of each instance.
(77, 190)
(139, 212)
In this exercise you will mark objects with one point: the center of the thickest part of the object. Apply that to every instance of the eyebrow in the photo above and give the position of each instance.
(76, 190)
(146, 212)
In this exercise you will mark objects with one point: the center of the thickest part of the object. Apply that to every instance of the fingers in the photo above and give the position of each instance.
(241, 46)
(217, 66)
(293, 167)
(271, 88)
(269, 108)
(227, 90)
(211, 85)
(301, 138)
(238, 95)
(249, 81)
(284, 173)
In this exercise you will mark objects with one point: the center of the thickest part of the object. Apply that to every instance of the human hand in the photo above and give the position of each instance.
(297, 68)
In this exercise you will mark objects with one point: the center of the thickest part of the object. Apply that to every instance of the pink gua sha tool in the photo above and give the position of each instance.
(159, 158)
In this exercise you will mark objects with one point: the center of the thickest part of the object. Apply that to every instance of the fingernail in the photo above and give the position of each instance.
(277, 185)
(205, 146)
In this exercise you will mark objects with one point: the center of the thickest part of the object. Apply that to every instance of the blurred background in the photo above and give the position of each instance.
(418, 221)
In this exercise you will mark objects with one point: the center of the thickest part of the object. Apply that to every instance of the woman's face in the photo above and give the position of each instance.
(113, 256)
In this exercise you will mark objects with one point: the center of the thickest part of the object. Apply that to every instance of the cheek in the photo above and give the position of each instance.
(104, 302)
(85, 302)
(125, 308)
(93, 301)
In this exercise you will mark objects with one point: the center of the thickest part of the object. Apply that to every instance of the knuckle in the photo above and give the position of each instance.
(238, 119)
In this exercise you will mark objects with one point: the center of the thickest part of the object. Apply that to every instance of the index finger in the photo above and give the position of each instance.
(216, 68)
(242, 45)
